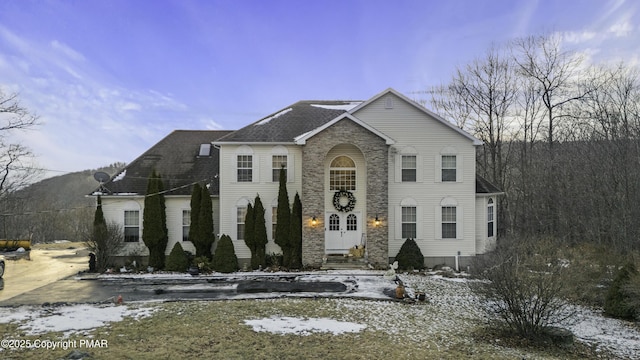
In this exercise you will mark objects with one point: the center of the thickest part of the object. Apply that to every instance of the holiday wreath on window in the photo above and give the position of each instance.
(344, 201)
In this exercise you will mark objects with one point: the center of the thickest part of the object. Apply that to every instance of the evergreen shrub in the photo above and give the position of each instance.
(410, 257)
(225, 259)
(617, 302)
(177, 259)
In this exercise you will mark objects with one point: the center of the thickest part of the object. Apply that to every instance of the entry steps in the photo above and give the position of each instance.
(341, 262)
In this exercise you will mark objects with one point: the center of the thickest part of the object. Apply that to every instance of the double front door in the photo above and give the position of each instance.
(342, 231)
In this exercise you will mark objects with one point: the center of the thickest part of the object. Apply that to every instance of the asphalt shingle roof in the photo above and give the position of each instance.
(483, 186)
(290, 122)
(176, 158)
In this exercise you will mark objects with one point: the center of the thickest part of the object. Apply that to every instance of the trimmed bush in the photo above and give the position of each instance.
(225, 259)
(177, 259)
(617, 303)
(410, 257)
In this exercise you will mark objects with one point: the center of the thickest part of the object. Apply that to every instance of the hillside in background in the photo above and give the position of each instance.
(55, 208)
(68, 190)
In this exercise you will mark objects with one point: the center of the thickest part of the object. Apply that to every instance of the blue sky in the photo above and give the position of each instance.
(110, 78)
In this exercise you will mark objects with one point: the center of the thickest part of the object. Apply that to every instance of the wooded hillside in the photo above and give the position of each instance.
(55, 208)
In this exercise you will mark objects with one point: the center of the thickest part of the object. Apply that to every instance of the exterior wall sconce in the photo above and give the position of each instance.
(376, 222)
(314, 221)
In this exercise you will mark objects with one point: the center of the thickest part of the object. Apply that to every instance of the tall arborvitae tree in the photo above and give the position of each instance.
(260, 234)
(283, 226)
(99, 238)
(295, 236)
(249, 232)
(196, 194)
(154, 225)
(205, 235)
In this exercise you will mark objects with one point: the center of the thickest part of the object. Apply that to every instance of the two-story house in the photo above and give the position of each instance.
(372, 172)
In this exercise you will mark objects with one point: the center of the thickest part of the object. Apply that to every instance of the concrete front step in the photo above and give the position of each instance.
(344, 263)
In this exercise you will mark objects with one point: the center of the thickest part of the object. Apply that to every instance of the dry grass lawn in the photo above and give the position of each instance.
(216, 330)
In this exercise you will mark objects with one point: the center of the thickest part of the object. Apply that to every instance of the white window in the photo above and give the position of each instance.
(241, 214)
(186, 224)
(409, 222)
(449, 168)
(342, 174)
(131, 225)
(490, 218)
(278, 162)
(409, 168)
(449, 222)
(245, 168)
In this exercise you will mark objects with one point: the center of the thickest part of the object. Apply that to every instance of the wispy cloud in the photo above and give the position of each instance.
(87, 121)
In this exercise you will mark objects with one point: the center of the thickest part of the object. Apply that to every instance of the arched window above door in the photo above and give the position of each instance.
(342, 174)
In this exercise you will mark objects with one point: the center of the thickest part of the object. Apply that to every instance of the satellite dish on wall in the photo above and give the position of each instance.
(101, 177)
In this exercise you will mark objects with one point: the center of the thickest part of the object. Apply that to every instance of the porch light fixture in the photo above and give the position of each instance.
(376, 221)
(314, 221)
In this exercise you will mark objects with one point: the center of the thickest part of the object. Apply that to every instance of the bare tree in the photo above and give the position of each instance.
(107, 245)
(554, 72)
(482, 97)
(526, 286)
(16, 168)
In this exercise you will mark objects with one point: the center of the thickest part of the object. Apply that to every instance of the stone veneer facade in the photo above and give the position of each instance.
(375, 151)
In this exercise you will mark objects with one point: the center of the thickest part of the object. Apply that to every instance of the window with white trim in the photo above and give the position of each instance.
(342, 174)
(186, 224)
(274, 221)
(449, 223)
(278, 162)
(490, 218)
(241, 214)
(409, 169)
(409, 222)
(245, 168)
(449, 168)
(131, 226)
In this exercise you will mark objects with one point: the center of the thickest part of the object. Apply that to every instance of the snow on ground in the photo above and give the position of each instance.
(450, 309)
(291, 325)
(69, 319)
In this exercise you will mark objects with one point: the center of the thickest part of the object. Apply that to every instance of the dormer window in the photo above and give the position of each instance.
(205, 150)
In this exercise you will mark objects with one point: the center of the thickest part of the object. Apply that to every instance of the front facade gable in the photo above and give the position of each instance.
(302, 139)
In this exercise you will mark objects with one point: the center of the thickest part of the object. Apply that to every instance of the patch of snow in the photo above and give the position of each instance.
(346, 107)
(614, 335)
(291, 325)
(120, 176)
(266, 120)
(69, 319)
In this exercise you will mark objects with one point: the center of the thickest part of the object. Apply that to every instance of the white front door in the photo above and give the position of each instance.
(342, 232)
